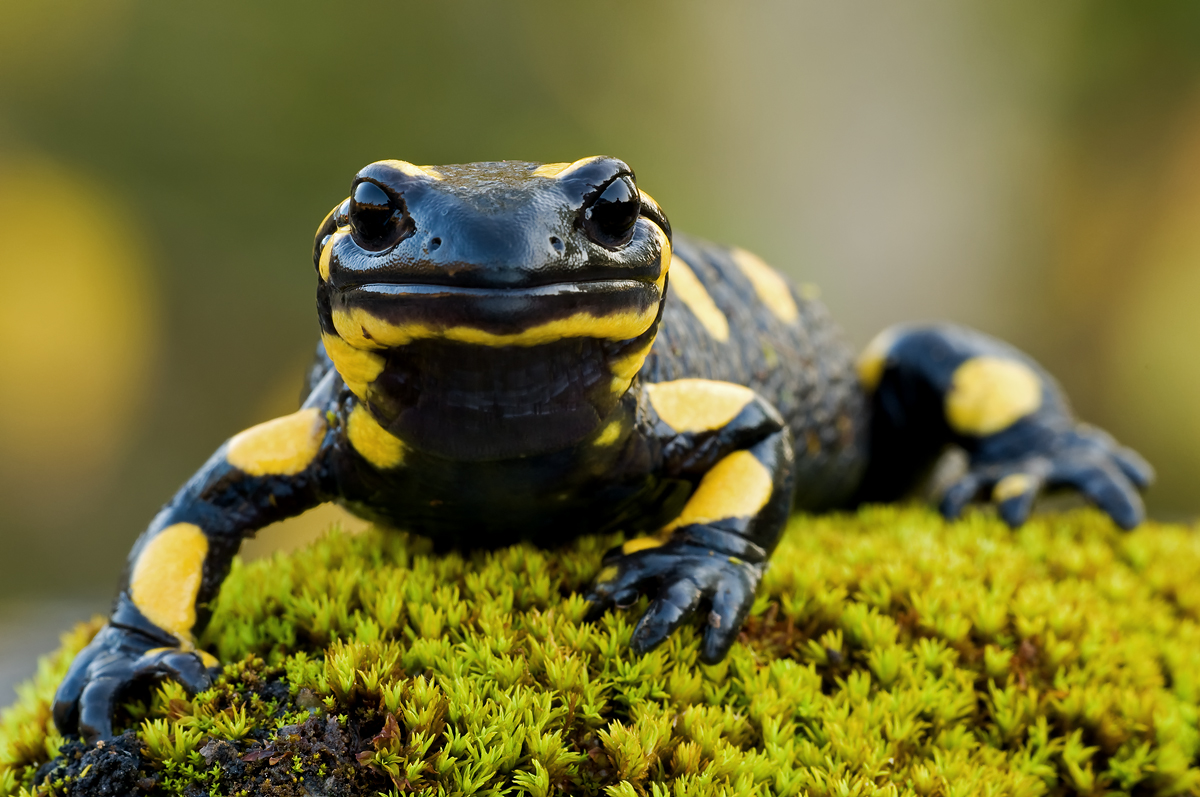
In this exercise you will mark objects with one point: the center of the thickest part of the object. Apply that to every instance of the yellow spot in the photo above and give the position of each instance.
(737, 486)
(688, 288)
(772, 289)
(988, 394)
(166, 578)
(376, 445)
(358, 368)
(607, 574)
(364, 331)
(550, 169)
(1011, 486)
(610, 434)
(873, 360)
(698, 405)
(641, 544)
(412, 170)
(282, 447)
(327, 252)
(208, 659)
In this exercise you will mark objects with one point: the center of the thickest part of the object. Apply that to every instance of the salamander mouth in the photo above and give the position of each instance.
(389, 314)
(381, 290)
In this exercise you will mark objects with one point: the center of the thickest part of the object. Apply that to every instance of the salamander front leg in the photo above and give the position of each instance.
(267, 473)
(712, 555)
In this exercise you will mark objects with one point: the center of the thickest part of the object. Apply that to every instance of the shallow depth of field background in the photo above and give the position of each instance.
(1033, 171)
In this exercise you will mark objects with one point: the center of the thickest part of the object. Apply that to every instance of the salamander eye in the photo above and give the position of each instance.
(609, 218)
(378, 220)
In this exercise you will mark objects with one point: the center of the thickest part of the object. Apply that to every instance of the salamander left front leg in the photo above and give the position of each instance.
(715, 552)
(945, 384)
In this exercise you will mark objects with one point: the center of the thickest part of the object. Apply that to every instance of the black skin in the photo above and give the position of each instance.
(507, 434)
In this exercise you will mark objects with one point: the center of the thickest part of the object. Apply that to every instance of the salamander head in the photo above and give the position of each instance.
(490, 310)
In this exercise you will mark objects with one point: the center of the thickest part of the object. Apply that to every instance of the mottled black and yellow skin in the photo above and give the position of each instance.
(517, 351)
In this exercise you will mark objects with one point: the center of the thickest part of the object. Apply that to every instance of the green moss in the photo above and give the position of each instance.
(889, 651)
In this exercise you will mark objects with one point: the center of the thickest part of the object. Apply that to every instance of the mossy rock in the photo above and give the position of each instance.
(889, 651)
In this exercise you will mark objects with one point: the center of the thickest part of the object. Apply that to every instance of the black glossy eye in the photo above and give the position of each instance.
(609, 219)
(378, 220)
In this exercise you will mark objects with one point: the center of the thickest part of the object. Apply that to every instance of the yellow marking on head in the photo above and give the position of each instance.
(698, 405)
(166, 578)
(989, 394)
(873, 360)
(772, 289)
(208, 659)
(607, 574)
(362, 330)
(550, 169)
(691, 291)
(1011, 486)
(412, 170)
(282, 447)
(641, 544)
(376, 445)
(560, 170)
(327, 252)
(610, 434)
(737, 486)
(358, 368)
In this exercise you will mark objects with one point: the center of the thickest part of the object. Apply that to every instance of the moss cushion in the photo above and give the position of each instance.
(889, 652)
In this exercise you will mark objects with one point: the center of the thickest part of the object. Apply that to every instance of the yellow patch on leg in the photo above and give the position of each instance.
(1011, 486)
(282, 447)
(357, 367)
(989, 394)
(873, 360)
(772, 289)
(374, 443)
(166, 578)
(698, 405)
(641, 544)
(737, 486)
(687, 286)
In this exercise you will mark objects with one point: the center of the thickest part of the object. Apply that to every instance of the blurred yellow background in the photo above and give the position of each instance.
(1030, 169)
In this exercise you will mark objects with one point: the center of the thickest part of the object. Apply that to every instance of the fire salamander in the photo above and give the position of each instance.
(518, 351)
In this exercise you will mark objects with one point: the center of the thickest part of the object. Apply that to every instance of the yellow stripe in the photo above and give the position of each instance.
(990, 394)
(772, 289)
(282, 447)
(364, 331)
(873, 360)
(358, 368)
(166, 578)
(376, 444)
(737, 486)
(698, 405)
(688, 288)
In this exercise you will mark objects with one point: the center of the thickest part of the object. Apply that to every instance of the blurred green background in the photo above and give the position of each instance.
(1031, 169)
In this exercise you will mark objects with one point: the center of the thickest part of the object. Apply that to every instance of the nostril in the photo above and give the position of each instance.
(434, 243)
(556, 243)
